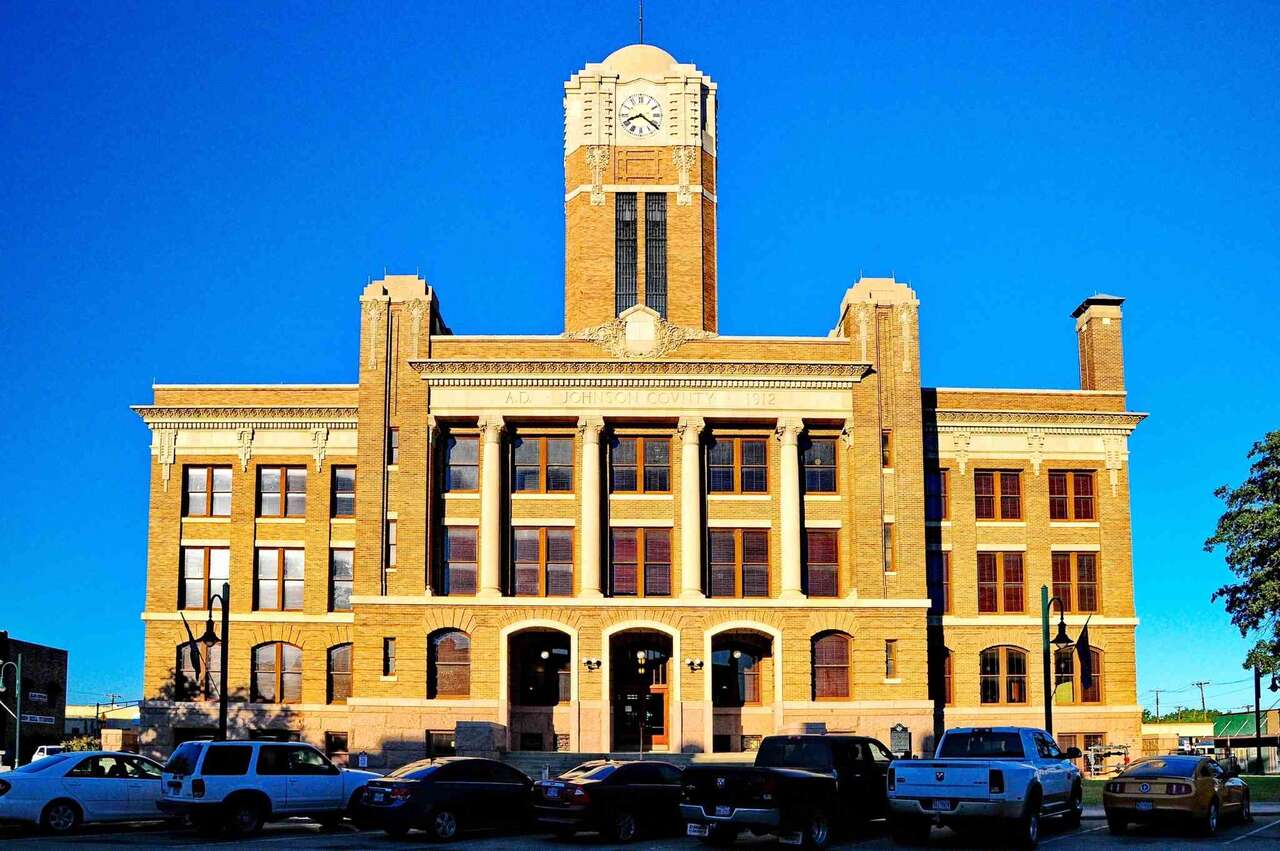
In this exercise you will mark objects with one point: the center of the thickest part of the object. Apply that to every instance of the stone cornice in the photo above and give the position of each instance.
(648, 373)
(1050, 422)
(247, 416)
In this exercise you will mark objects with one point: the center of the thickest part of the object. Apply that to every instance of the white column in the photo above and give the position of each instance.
(589, 428)
(490, 507)
(788, 433)
(690, 431)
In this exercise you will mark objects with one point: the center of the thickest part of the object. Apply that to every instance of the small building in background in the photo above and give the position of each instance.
(44, 696)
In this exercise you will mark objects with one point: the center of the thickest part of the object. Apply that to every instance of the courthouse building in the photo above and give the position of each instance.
(637, 530)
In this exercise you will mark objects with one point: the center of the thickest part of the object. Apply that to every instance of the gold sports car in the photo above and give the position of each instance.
(1191, 789)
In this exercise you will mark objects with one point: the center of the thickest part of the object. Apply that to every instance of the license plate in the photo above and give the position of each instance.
(722, 810)
(695, 829)
(379, 797)
(553, 792)
(1145, 806)
(941, 804)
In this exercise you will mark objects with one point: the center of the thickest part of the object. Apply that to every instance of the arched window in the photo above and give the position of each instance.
(736, 659)
(1003, 675)
(199, 671)
(339, 673)
(1066, 672)
(449, 664)
(277, 673)
(832, 677)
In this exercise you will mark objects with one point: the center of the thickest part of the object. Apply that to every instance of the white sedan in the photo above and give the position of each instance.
(63, 791)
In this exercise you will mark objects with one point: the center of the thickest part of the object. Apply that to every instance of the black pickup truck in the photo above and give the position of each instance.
(801, 788)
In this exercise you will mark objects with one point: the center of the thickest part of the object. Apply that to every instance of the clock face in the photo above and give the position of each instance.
(641, 115)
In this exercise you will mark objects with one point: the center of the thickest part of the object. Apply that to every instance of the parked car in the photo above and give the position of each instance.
(801, 788)
(63, 791)
(46, 750)
(621, 800)
(1008, 777)
(1188, 789)
(241, 785)
(448, 796)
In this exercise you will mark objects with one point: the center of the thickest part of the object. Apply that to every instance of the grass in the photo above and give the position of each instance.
(1261, 789)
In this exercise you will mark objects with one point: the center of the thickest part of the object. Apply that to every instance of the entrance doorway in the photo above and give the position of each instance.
(639, 690)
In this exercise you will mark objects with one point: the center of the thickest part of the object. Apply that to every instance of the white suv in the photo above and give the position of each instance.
(241, 785)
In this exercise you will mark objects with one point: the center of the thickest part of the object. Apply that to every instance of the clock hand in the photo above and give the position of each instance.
(650, 120)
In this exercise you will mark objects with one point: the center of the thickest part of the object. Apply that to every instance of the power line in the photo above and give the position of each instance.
(1200, 685)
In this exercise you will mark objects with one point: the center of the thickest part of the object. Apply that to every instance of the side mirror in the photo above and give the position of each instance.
(1073, 753)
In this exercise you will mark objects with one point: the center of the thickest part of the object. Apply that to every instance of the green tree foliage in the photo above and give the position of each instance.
(82, 743)
(1180, 715)
(1249, 532)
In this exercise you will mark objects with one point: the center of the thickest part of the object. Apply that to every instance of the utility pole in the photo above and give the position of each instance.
(1157, 691)
(1201, 685)
(1257, 715)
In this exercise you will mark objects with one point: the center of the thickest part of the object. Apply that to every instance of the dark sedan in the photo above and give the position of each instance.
(621, 800)
(446, 797)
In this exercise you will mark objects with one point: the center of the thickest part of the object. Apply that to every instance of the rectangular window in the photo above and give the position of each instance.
(890, 550)
(460, 559)
(640, 563)
(997, 495)
(207, 492)
(341, 577)
(542, 562)
(1080, 595)
(624, 251)
(655, 251)
(335, 747)
(204, 569)
(937, 505)
(344, 491)
(886, 448)
(462, 463)
(279, 581)
(820, 465)
(393, 446)
(542, 464)
(739, 562)
(388, 657)
(640, 465)
(1000, 582)
(890, 658)
(392, 535)
(738, 465)
(1071, 495)
(282, 491)
(939, 581)
(822, 570)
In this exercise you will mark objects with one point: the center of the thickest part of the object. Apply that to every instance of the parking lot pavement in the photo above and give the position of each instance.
(1264, 832)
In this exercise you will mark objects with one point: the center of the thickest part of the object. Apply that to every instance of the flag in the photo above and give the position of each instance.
(1086, 657)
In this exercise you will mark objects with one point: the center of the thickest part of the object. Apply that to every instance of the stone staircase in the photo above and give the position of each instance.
(533, 763)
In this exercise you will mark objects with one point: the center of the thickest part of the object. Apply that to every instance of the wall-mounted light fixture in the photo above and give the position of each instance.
(592, 664)
(694, 664)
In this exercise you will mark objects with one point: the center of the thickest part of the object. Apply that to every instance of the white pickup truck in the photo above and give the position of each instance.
(1007, 777)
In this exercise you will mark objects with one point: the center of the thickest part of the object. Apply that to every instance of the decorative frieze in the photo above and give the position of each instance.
(319, 441)
(164, 443)
(597, 160)
(684, 157)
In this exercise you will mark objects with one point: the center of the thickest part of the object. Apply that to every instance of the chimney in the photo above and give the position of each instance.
(1101, 349)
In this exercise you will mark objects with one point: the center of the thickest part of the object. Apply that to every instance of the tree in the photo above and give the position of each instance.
(82, 743)
(1249, 531)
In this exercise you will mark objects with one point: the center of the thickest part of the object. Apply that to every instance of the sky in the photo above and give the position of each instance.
(198, 192)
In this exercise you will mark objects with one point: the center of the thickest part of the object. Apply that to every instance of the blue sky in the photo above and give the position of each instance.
(198, 194)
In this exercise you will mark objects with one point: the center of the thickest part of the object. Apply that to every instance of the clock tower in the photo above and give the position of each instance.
(640, 194)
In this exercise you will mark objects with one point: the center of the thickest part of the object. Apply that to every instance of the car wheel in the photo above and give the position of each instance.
(817, 832)
(1209, 824)
(720, 835)
(622, 827)
(443, 826)
(1246, 810)
(1075, 808)
(1026, 832)
(1117, 826)
(60, 817)
(244, 817)
(909, 831)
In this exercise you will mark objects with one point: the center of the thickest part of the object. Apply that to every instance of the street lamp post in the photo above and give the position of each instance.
(209, 639)
(17, 705)
(1060, 641)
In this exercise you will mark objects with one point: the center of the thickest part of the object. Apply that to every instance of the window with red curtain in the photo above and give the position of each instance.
(821, 563)
(831, 673)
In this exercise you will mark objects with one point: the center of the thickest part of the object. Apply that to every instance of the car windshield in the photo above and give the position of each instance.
(43, 764)
(600, 772)
(184, 759)
(782, 752)
(1167, 767)
(579, 770)
(414, 770)
(981, 745)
